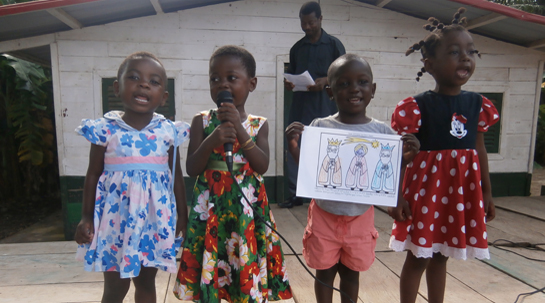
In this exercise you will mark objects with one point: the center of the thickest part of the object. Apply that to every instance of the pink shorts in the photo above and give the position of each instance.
(331, 238)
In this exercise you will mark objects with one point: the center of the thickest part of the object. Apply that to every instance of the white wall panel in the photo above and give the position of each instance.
(186, 39)
(521, 88)
(522, 74)
(81, 48)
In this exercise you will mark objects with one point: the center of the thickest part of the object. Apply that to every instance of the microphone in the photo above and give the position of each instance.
(226, 97)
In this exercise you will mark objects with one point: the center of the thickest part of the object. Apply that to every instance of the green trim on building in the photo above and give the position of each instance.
(71, 196)
(510, 184)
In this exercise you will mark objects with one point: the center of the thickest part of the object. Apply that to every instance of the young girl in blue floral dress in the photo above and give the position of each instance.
(229, 253)
(133, 200)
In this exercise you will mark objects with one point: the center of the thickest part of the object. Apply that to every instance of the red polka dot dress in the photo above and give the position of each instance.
(443, 182)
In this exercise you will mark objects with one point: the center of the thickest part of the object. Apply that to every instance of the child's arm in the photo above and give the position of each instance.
(489, 207)
(293, 134)
(85, 229)
(179, 193)
(411, 146)
(402, 211)
(200, 148)
(257, 153)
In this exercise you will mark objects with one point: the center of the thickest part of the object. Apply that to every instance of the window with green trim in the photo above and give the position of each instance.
(111, 102)
(492, 136)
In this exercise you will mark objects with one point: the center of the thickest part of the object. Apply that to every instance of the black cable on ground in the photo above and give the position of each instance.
(529, 293)
(508, 243)
(525, 245)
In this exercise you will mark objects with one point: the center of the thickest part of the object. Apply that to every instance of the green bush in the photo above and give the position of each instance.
(28, 151)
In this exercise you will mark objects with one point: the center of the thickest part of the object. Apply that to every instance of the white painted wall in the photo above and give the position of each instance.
(186, 39)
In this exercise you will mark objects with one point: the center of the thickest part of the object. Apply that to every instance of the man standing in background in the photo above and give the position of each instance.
(314, 52)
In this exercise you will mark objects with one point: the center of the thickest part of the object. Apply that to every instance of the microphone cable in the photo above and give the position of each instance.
(500, 243)
(258, 215)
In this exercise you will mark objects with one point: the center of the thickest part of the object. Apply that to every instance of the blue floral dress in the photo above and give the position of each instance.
(135, 208)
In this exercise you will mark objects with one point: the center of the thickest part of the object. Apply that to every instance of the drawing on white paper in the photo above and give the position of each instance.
(330, 171)
(357, 176)
(384, 178)
(349, 166)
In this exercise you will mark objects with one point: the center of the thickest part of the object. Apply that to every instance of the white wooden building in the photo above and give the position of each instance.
(81, 58)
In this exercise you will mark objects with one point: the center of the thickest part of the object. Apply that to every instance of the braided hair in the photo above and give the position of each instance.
(437, 31)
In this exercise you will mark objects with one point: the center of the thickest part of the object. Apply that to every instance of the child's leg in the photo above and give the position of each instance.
(350, 283)
(144, 285)
(115, 288)
(323, 293)
(410, 277)
(436, 275)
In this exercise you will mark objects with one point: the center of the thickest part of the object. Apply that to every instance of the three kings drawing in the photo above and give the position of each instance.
(349, 166)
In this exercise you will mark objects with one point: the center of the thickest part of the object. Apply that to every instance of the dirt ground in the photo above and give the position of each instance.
(18, 215)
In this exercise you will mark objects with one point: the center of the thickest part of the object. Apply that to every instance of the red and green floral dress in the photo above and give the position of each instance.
(228, 252)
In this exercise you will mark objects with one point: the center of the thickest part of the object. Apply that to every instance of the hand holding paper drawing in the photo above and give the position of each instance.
(411, 146)
(293, 135)
(370, 162)
(301, 81)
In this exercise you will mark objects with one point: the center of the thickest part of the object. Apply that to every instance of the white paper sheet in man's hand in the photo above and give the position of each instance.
(300, 81)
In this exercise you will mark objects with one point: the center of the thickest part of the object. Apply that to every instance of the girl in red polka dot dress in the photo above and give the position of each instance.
(447, 185)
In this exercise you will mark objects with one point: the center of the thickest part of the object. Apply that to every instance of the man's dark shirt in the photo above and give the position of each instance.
(316, 58)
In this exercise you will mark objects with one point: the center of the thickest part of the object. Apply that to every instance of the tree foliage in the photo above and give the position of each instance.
(27, 135)
(530, 6)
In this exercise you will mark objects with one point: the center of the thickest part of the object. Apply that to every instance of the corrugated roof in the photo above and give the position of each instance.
(485, 18)
(51, 16)
(30, 19)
